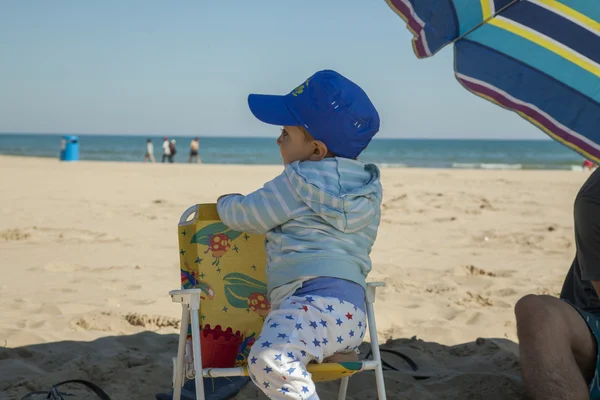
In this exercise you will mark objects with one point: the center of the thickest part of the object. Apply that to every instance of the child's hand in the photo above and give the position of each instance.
(229, 194)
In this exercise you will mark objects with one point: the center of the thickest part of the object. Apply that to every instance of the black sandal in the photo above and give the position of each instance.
(54, 394)
(389, 367)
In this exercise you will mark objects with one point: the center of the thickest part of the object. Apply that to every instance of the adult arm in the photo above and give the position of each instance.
(587, 236)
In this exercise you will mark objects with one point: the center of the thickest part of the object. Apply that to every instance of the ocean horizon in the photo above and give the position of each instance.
(399, 153)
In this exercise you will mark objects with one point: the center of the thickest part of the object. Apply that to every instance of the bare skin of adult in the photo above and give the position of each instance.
(558, 352)
(558, 337)
(194, 147)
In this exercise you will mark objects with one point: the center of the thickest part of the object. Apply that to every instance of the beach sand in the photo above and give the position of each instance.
(88, 253)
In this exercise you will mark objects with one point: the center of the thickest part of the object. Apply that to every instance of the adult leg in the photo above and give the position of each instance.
(557, 350)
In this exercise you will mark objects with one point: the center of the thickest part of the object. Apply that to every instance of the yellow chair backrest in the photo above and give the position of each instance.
(229, 267)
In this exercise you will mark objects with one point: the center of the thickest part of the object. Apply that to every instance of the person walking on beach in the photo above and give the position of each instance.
(194, 146)
(149, 151)
(558, 337)
(166, 149)
(172, 150)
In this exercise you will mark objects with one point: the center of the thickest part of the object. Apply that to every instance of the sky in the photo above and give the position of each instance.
(186, 67)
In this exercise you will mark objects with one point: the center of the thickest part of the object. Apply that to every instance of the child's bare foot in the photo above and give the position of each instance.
(342, 357)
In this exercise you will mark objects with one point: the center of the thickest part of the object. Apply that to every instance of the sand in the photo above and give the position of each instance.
(88, 253)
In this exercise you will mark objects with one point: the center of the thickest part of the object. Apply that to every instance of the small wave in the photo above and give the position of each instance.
(486, 166)
(517, 166)
(392, 165)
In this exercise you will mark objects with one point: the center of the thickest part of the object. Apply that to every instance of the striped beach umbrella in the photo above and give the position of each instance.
(539, 58)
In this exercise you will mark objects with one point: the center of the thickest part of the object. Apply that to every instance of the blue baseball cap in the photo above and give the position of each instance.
(332, 108)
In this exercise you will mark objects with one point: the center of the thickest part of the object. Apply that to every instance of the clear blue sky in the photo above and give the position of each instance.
(186, 67)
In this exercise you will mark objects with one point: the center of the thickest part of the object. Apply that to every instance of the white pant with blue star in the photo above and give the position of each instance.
(303, 329)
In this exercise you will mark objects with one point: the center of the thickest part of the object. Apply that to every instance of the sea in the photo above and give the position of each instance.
(399, 153)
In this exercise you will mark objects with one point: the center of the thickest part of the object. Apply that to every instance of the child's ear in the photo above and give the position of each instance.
(319, 151)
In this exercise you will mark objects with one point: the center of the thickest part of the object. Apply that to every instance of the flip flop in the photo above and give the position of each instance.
(389, 367)
(54, 394)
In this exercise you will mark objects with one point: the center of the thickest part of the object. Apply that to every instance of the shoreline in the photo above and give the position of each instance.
(392, 166)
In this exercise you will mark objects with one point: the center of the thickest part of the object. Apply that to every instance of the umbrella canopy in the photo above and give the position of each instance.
(539, 58)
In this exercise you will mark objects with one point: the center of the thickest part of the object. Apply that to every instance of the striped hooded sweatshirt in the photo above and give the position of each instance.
(320, 219)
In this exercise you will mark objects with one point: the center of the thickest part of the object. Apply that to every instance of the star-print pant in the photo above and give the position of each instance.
(303, 329)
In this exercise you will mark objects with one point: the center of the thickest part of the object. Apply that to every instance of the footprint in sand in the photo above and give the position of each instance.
(450, 313)
(507, 273)
(37, 325)
(446, 219)
(143, 302)
(49, 309)
(60, 267)
(133, 287)
(506, 292)
(114, 322)
(548, 292)
(475, 298)
(474, 319)
(145, 215)
(473, 270)
(53, 235)
(147, 321)
(440, 288)
(485, 204)
(12, 235)
(392, 203)
(502, 304)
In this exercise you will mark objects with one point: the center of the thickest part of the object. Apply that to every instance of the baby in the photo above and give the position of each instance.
(320, 217)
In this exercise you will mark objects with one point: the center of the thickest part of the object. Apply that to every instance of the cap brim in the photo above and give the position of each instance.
(271, 110)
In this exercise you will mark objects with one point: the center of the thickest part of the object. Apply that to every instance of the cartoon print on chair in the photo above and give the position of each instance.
(218, 238)
(219, 245)
(259, 303)
(242, 357)
(243, 291)
(190, 280)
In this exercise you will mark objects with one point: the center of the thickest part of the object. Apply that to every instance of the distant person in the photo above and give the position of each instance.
(172, 150)
(194, 146)
(149, 151)
(588, 165)
(166, 150)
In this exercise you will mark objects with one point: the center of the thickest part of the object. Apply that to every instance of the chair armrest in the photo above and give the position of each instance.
(186, 296)
(370, 292)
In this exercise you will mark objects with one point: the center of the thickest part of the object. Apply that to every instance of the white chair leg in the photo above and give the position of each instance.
(194, 306)
(343, 388)
(375, 343)
(179, 364)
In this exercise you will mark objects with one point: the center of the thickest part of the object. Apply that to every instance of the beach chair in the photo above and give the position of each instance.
(224, 302)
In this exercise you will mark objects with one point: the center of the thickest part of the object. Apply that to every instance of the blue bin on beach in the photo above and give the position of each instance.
(69, 148)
